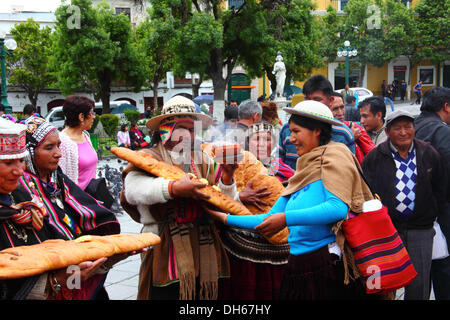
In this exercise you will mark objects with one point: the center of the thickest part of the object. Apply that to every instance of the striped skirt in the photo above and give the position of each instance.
(318, 275)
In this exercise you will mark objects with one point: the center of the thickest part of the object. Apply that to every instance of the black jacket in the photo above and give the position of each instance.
(379, 169)
(430, 127)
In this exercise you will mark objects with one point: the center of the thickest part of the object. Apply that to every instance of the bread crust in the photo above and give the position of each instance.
(250, 169)
(149, 164)
(26, 261)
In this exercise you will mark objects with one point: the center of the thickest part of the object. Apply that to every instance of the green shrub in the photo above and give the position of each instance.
(156, 112)
(132, 116)
(19, 116)
(110, 123)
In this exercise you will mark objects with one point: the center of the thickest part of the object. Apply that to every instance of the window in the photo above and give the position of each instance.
(57, 116)
(125, 11)
(235, 3)
(426, 74)
(342, 4)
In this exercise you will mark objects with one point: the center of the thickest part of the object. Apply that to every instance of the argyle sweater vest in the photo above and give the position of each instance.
(405, 183)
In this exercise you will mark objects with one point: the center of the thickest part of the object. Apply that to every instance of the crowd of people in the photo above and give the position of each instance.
(318, 155)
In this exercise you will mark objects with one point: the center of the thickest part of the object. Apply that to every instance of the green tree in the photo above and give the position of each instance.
(329, 26)
(155, 40)
(295, 33)
(401, 35)
(362, 27)
(28, 67)
(433, 22)
(212, 40)
(96, 52)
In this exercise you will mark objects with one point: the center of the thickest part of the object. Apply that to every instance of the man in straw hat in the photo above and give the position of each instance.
(190, 259)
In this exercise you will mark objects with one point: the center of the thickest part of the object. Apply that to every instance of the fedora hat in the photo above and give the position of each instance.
(178, 107)
(314, 110)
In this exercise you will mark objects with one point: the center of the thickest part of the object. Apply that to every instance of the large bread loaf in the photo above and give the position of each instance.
(26, 261)
(146, 162)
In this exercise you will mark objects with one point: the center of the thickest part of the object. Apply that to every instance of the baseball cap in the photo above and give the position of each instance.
(397, 114)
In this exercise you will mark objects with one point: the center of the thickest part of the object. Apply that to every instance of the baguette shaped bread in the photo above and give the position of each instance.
(275, 187)
(26, 261)
(146, 162)
(252, 169)
(247, 169)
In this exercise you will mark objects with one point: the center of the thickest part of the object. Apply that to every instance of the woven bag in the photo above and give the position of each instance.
(379, 253)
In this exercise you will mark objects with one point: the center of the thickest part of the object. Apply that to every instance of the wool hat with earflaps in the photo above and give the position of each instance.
(12, 140)
(314, 110)
(177, 108)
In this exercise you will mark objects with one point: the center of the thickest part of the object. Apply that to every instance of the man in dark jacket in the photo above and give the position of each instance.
(432, 126)
(409, 176)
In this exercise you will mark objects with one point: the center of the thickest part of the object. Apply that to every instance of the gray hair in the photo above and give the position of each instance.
(248, 108)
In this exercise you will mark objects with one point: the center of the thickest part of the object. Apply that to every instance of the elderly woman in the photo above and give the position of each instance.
(326, 185)
(262, 143)
(71, 211)
(190, 259)
(24, 221)
(270, 114)
(79, 158)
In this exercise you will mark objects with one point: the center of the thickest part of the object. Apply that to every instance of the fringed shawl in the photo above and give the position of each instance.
(336, 166)
(187, 250)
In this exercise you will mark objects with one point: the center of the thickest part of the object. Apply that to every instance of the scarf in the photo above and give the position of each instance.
(137, 132)
(190, 245)
(27, 214)
(336, 166)
(182, 241)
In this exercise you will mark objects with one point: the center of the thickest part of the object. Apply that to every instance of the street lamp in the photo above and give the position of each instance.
(347, 52)
(10, 45)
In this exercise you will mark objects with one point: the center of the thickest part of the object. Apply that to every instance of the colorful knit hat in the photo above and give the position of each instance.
(37, 129)
(12, 140)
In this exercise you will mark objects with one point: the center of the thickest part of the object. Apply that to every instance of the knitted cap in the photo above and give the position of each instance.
(12, 140)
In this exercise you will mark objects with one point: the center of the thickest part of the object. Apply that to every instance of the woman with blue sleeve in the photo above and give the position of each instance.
(325, 187)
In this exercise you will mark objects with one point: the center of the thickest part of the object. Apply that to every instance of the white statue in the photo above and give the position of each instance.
(279, 70)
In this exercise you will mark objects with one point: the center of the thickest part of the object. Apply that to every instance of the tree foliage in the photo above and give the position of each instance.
(433, 23)
(95, 53)
(211, 39)
(154, 40)
(28, 67)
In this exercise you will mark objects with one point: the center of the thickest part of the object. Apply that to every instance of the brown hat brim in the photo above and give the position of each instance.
(154, 123)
